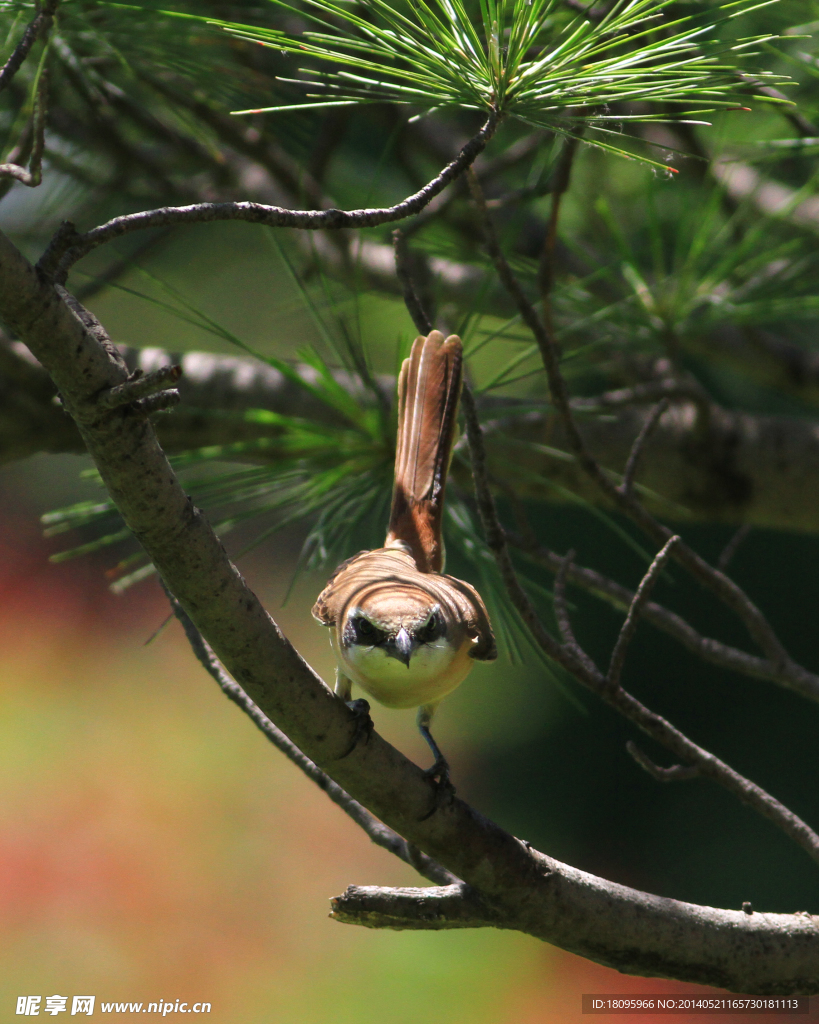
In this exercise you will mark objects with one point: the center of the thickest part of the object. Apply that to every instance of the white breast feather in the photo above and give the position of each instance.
(434, 671)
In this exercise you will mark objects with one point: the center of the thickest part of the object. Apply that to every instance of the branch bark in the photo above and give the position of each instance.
(632, 931)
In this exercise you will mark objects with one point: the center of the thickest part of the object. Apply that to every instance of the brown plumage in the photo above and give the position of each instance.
(429, 387)
(403, 631)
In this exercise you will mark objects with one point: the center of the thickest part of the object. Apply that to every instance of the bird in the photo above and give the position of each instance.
(400, 629)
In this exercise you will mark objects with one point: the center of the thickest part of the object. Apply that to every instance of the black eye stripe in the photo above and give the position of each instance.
(361, 630)
(433, 629)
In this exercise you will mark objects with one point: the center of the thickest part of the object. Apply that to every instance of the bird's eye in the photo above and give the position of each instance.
(365, 629)
(430, 631)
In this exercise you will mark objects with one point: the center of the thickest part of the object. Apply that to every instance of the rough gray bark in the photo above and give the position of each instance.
(733, 468)
(632, 931)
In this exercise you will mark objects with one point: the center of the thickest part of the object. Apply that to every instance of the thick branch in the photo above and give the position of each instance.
(457, 906)
(376, 830)
(612, 924)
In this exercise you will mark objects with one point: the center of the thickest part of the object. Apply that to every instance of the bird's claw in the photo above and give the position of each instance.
(439, 773)
(363, 724)
(444, 791)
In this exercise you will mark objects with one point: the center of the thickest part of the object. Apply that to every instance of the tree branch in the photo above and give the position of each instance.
(560, 185)
(67, 246)
(763, 470)
(618, 655)
(374, 829)
(402, 270)
(611, 923)
(723, 587)
(676, 773)
(430, 909)
(564, 622)
(637, 449)
(733, 545)
(30, 422)
(577, 662)
(36, 29)
(34, 175)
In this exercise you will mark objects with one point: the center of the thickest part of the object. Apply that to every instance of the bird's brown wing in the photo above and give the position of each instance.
(429, 387)
(324, 610)
(476, 617)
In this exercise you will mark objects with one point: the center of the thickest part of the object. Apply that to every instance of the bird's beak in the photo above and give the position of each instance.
(401, 647)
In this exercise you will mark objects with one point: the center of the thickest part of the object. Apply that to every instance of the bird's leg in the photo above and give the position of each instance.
(363, 724)
(344, 687)
(440, 770)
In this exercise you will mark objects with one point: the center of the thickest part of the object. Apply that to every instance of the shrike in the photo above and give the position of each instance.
(400, 629)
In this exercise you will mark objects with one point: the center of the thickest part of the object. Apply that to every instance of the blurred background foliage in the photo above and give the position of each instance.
(117, 753)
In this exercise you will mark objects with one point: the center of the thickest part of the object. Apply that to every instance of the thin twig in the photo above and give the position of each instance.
(732, 546)
(792, 676)
(411, 301)
(639, 443)
(66, 248)
(646, 391)
(34, 175)
(564, 623)
(19, 174)
(496, 538)
(560, 184)
(36, 28)
(755, 622)
(162, 402)
(618, 655)
(489, 170)
(379, 833)
(674, 773)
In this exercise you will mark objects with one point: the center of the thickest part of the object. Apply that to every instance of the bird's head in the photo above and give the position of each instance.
(397, 633)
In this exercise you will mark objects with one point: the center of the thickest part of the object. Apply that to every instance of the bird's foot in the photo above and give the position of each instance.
(444, 790)
(363, 725)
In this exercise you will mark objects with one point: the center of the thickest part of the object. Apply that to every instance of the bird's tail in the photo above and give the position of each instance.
(429, 387)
